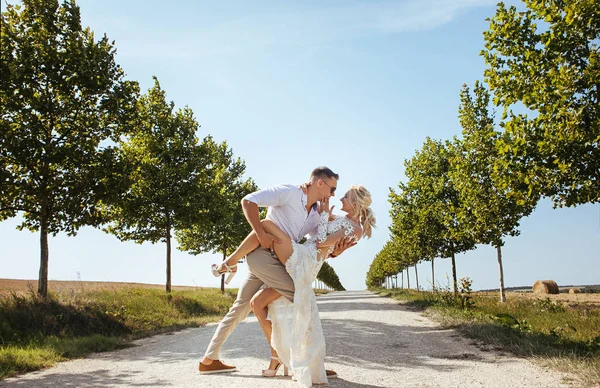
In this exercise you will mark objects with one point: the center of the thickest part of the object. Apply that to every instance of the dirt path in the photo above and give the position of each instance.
(371, 342)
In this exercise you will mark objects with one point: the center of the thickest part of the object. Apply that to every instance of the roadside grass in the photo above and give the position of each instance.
(563, 338)
(321, 291)
(35, 334)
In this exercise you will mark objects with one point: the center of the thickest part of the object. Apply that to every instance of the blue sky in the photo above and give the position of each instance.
(354, 85)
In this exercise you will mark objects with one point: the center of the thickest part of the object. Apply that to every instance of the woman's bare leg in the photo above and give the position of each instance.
(249, 244)
(283, 250)
(259, 303)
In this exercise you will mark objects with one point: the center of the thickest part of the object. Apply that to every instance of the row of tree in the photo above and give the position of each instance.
(545, 63)
(80, 146)
(329, 277)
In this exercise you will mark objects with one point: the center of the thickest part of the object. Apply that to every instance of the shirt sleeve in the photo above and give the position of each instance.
(272, 196)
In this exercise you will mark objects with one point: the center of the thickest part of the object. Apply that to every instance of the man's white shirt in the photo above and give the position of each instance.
(287, 209)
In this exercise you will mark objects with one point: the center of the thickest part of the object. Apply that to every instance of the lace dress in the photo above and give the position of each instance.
(297, 333)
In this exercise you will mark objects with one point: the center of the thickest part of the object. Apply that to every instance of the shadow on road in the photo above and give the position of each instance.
(351, 343)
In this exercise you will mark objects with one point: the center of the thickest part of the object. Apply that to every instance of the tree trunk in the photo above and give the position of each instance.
(43, 278)
(402, 278)
(408, 278)
(417, 277)
(223, 276)
(432, 276)
(454, 275)
(502, 295)
(168, 254)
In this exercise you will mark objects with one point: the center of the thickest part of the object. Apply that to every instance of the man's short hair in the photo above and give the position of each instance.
(324, 172)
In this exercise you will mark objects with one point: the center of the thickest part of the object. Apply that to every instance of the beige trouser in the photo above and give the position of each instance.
(263, 269)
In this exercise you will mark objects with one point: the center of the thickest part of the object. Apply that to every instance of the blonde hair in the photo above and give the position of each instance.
(360, 198)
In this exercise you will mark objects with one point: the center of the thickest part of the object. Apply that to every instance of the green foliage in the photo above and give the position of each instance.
(426, 220)
(546, 305)
(167, 185)
(386, 263)
(437, 199)
(328, 276)
(492, 212)
(62, 97)
(538, 325)
(225, 225)
(464, 287)
(17, 359)
(34, 333)
(547, 60)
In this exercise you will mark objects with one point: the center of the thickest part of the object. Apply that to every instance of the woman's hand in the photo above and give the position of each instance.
(324, 206)
(342, 245)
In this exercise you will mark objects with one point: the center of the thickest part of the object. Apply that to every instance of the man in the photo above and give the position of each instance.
(294, 210)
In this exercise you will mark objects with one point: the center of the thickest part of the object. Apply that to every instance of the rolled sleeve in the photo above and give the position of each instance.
(273, 196)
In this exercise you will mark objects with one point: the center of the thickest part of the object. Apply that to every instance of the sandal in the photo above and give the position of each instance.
(273, 372)
(228, 269)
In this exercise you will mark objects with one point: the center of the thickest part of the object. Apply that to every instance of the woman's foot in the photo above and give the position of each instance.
(274, 362)
(224, 268)
(274, 367)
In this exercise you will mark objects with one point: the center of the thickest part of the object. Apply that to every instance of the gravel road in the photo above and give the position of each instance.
(371, 342)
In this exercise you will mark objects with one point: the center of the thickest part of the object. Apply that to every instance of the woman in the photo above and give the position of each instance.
(295, 329)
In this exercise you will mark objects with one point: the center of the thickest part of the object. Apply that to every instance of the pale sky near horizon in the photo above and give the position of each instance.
(354, 85)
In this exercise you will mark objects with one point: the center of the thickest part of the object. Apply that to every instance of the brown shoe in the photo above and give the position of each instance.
(216, 367)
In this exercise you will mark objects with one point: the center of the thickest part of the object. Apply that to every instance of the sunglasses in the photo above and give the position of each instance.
(332, 189)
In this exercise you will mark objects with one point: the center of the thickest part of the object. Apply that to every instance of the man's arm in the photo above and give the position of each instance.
(252, 215)
(272, 196)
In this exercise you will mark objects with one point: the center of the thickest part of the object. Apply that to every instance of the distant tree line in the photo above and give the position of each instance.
(544, 62)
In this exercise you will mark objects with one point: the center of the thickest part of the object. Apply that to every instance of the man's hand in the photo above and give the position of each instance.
(342, 245)
(268, 241)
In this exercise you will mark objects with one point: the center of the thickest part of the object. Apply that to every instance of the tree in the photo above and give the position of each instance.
(328, 276)
(62, 96)
(385, 264)
(417, 276)
(437, 204)
(413, 234)
(492, 213)
(168, 184)
(225, 226)
(547, 60)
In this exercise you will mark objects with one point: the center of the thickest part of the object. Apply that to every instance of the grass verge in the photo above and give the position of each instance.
(563, 338)
(35, 334)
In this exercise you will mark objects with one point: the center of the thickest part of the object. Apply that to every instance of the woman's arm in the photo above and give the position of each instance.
(333, 239)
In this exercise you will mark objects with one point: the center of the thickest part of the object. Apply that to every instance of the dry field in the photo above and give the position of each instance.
(8, 286)
(568, 300)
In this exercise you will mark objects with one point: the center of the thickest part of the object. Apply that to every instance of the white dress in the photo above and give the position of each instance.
(297, 333)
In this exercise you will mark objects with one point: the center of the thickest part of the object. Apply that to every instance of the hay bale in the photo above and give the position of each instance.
(545, 287)
(574, 290)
